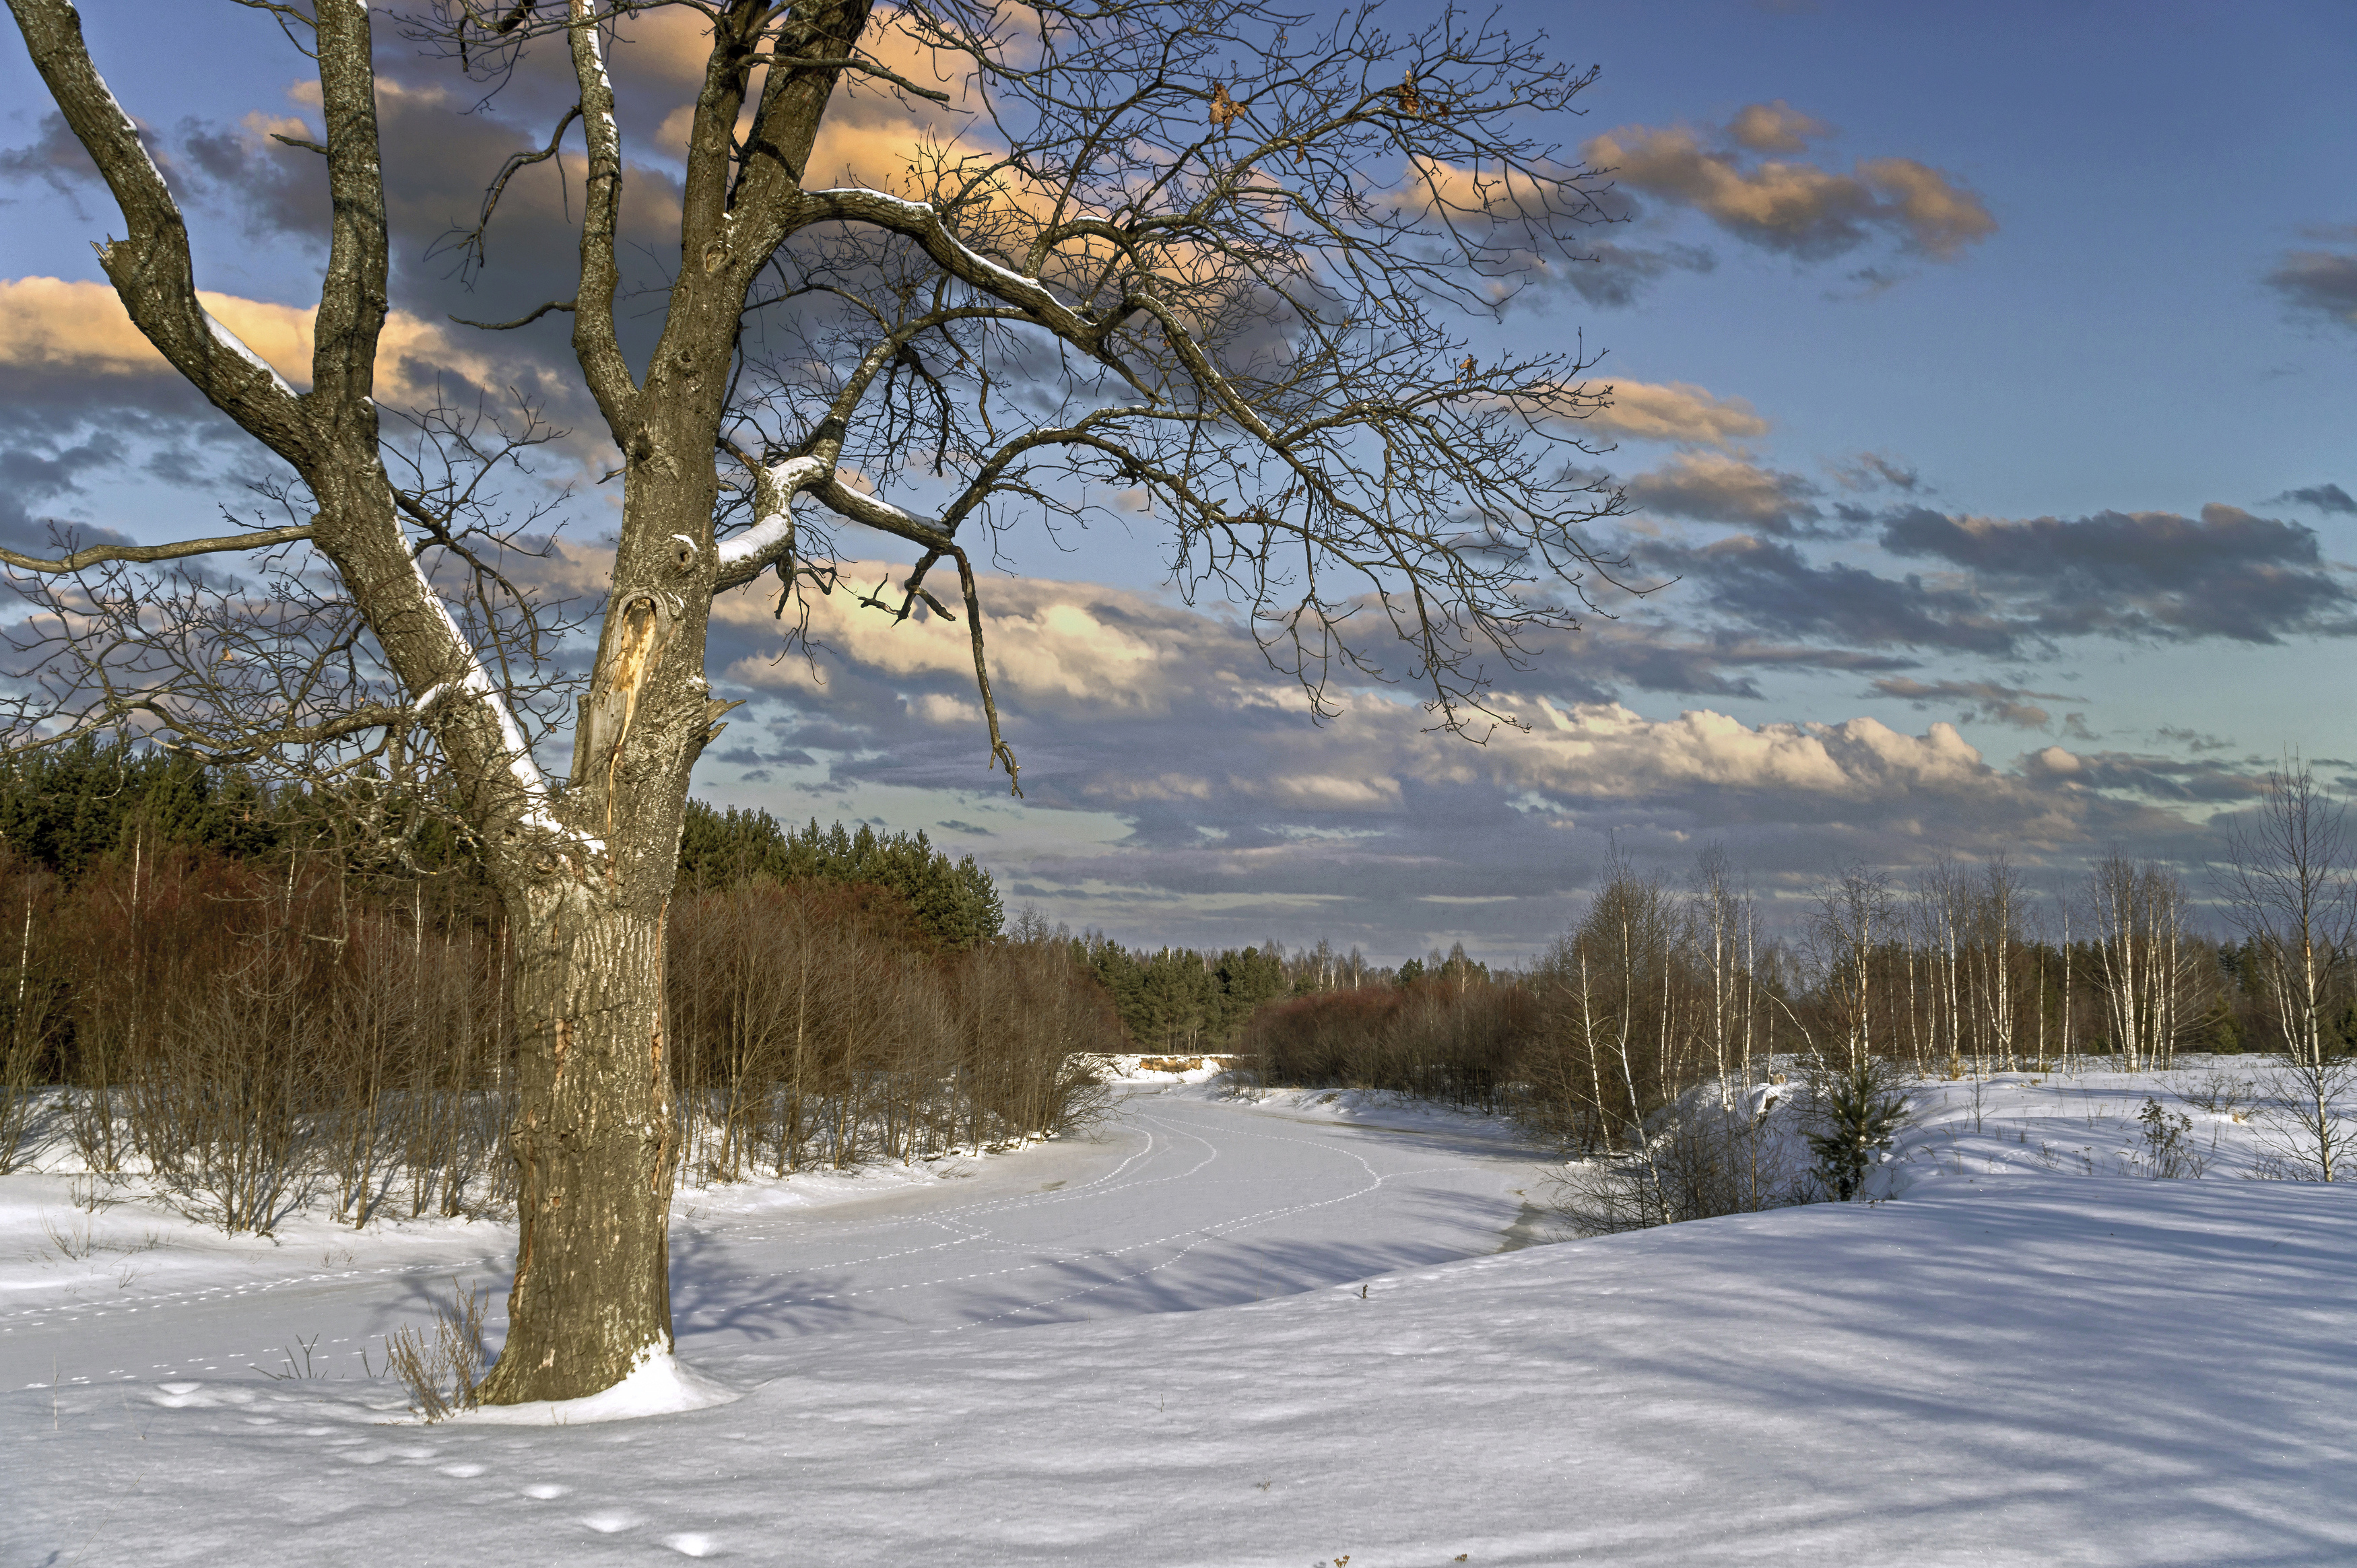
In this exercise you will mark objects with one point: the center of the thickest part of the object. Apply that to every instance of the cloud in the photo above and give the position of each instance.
(1353, 828)
(1736, 608)
(2323, 497)
(1775, 127)
(1999, 704)
(1877, 471)
(53, 327)
(1676, 411)
(2318, 282)
(1612, 752)
(1714, 486)
(55, 158)
(1768, 585)
(2177, 781)
(440, 157)
(1798, 209)
(2193, 740)
(1049, 648)
(2228, 575)
(1323, 791)
(1606, 273)
(2005, 586)
(1612, 275)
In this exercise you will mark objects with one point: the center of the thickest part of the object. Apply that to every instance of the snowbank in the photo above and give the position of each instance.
(658, 1385)
(1158, 1069)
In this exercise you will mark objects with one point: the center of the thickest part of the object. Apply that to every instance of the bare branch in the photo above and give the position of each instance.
(594, 340)
(151, 269)
(98, 554)
(564, 305)
(473, 244)
(864, 66)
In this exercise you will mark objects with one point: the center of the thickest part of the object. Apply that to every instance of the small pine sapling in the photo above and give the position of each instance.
(1862, 1111)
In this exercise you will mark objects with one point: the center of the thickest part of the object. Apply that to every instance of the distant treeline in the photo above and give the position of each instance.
(956, 903)
(1183, 1001)
(1661, 989)
(63, 810)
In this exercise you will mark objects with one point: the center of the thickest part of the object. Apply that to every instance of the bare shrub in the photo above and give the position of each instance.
(218, 1100)
(1458, 1042)
(442, 1365)
(73, 1244)
(1701, 1157)
(2304, 1125)
(242, 1034)
(2222, 1093)
(2291, 887)
(817, 1024)
(27, 1044)
(2168, 1151)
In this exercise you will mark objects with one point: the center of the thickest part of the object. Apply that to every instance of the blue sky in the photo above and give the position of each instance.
(1931, 479)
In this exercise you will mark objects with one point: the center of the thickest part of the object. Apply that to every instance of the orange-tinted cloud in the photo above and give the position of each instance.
(81, 328)
(1775, 127)
(1715, 486)
(1677, 411)
(1803, 208)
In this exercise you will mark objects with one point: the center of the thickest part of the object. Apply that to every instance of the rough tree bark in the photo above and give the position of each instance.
(1149, 251)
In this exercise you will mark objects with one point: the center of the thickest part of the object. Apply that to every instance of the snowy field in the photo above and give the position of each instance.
(1285, 1332)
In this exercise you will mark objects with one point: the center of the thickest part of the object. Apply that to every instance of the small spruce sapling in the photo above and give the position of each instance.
(1862, 1111)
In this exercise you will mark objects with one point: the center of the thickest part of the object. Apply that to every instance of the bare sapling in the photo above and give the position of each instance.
(2287, 884)
(441, 1365)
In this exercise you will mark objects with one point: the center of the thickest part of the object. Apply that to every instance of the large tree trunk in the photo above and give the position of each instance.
(594, 1144)
(595, 1136)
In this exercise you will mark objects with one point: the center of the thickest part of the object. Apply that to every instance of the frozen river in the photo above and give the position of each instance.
(1176, 1202)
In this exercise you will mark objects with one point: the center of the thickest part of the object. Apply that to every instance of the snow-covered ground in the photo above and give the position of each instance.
(1287, 1332)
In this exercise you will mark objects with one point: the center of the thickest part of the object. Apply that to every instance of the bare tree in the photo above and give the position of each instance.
(2288, 887)
(1723, 920)
(1942, 911)
(1996, 951)
(1854, 918)
(2148, 974)
(1197, 249)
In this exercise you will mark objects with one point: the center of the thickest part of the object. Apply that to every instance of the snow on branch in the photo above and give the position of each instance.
(775, 486)
(237, 345)
(516, 752)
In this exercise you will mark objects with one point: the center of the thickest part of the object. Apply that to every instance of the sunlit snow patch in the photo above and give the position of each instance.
(659, 1384)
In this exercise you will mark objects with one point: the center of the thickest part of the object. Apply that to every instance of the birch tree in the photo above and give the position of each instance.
(1854, 916)
(1206, 251)
(2148, 970)
(2287, 884)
